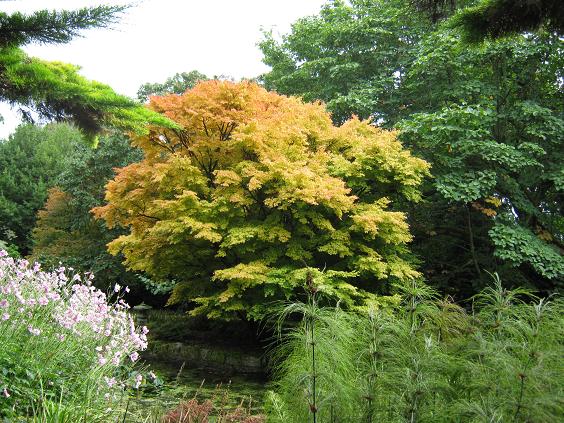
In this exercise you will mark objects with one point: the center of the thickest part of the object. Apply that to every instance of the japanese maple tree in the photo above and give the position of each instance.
(257, 189)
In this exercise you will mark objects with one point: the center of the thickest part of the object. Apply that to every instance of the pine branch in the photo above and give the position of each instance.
(54, 27)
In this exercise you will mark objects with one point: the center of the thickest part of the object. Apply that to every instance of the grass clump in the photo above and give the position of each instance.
(426, 360)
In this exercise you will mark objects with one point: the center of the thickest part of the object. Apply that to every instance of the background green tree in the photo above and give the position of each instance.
(30, 161)
(353, 56)
(66, 231)
(487, 118)
(176, 84)
(490, 121)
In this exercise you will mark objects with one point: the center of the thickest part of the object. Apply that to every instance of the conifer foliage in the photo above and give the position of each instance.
(55, 90)
(254, 188)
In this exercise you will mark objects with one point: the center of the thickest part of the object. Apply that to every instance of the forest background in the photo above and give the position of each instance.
(487, 116)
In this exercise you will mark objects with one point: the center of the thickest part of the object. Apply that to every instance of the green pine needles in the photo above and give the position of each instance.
(56, 91)
(426, 360)
(54, 27)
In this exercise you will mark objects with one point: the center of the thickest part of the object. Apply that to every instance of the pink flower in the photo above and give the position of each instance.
(152, 375)
(6, 393)
(110, 381)
(134, 356)
(127, 289)
(5, 316)
(4, 304)
(43, 301)
(138, 380)
(33, 331)
(117, 287)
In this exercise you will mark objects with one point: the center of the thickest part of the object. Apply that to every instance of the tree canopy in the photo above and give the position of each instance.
(353, 56)
(255, 189)
(487, 118)
(500, 18)
(176, 84)
(66, 231)
(30, 161)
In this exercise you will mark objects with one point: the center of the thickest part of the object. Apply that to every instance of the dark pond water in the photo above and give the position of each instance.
(184, 383)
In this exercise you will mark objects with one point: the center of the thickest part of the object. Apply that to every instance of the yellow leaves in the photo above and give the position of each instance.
(363, 152)
(226, 178)
(544, 234)
(486, 210)
(496, 202)
(375, 221)
(254, 183)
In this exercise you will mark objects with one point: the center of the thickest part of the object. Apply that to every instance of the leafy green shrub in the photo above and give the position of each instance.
(64, 346)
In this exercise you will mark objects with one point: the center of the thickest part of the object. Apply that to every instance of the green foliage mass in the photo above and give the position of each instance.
(421, 360)
(176, 84)
(57, 92)
(353, 56)
(30, 161)
(499, 18)
(488, 119)
(491, 124)
(66, 231)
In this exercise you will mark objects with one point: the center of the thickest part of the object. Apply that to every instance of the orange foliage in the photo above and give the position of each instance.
(257, 184)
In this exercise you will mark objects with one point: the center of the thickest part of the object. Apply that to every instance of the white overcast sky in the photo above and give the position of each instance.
(157, 38)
